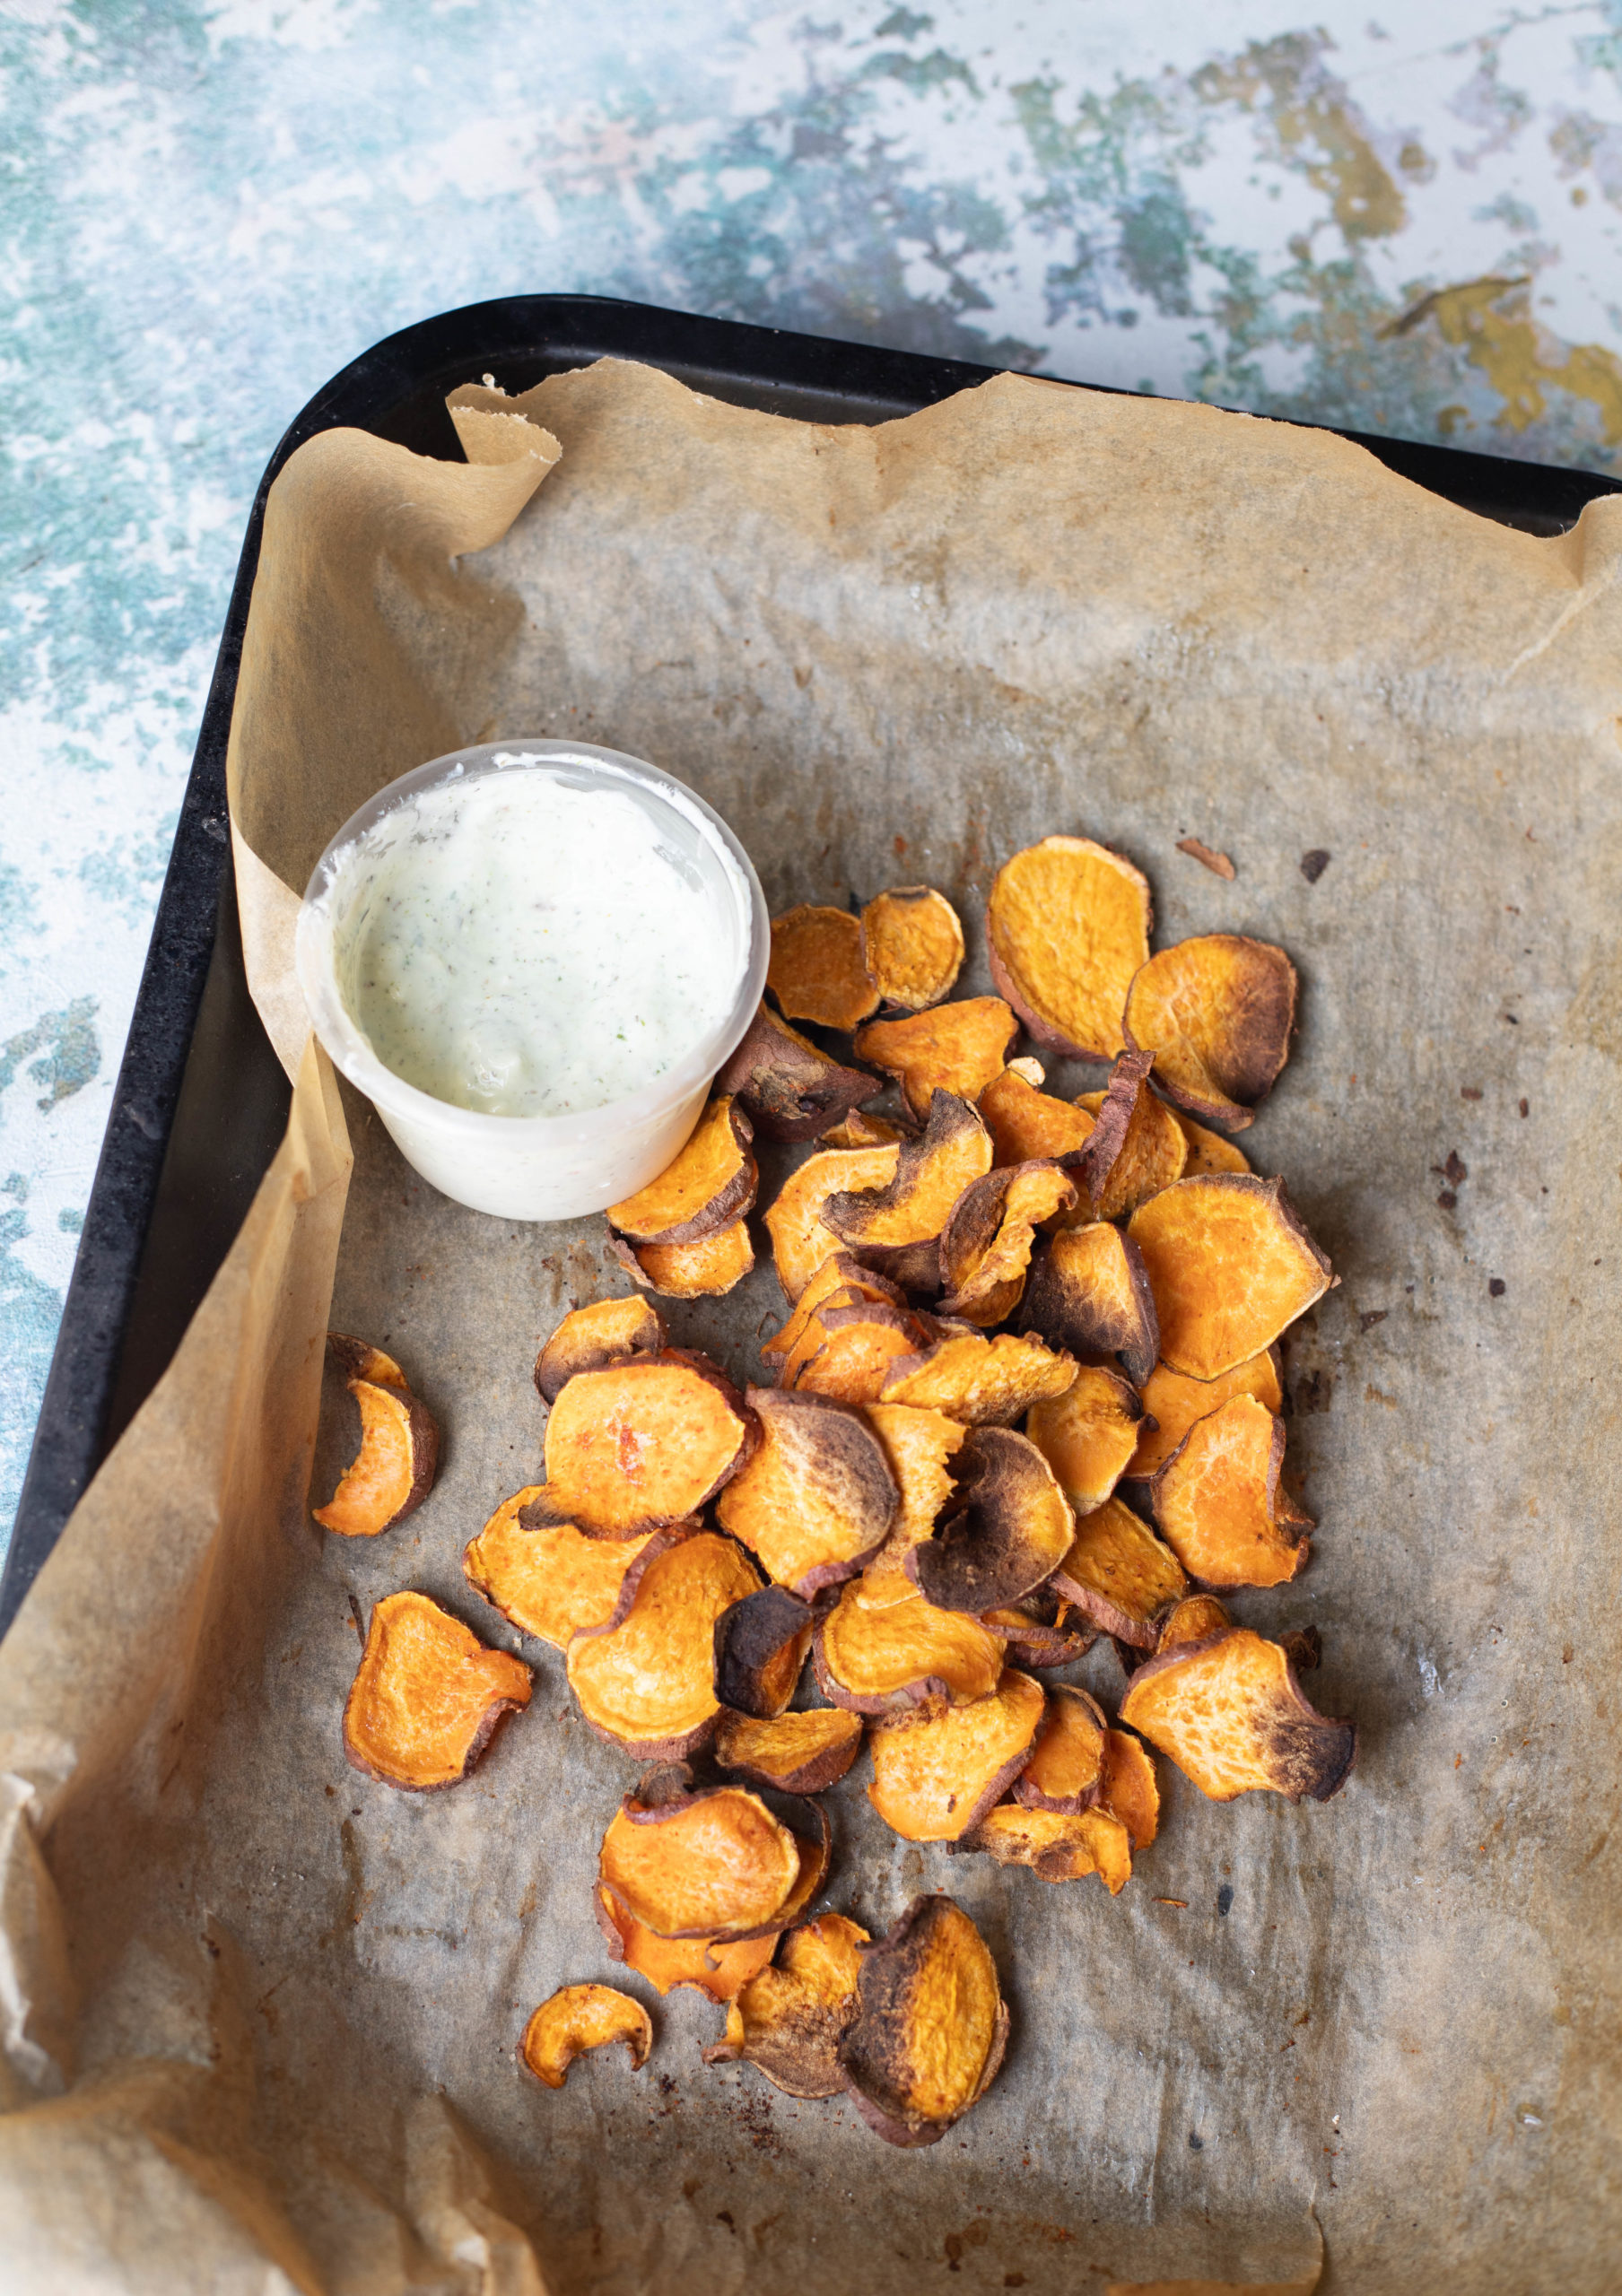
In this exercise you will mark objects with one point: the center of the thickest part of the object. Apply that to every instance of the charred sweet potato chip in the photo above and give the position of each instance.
(1127, 1788)
(789, 2021)
(912, 946)
(1055, 1847)
(1066, 927)
(1216, 1014)
(1089, 1435)
(551, 1579)
(1065, 1771)
(1231, 1267)
(985, 1246)
(1195, 1619)
(955, 1048)
(1230, 1713)
(1088, 1293)
(1008, 1529)
(711, 1184)
(849, 1351)
(704, 1270)
(1027, 1125)
(608, 1331)
(938, 1768)
(1209, 1151)
(818, 1497)
(801, 1243)
(427, 1697)
(897, 1228)
(859, 1130)
(358, 1359)
(816, 971)
(668, 1963)
(643, 1443)
(1119, 1572)
(579, 2017)
(919, 1445)
(760, 1647)
(1043, 1628)
(393, 1470)
(983, 1382)
(788, 1087)
(1137, 1146)
(1174, 1402)
(930, 2027)
(1218, 1499)
(649, 1682)
(797, 1754)
(716, 1865)
(874, 1661)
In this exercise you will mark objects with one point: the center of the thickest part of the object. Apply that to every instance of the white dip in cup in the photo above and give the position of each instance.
(532, 957)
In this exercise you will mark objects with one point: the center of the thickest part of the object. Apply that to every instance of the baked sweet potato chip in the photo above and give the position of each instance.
(608, 1331)
(985, 1246)
(1089, 1435)
(847, 1353)
(1174, 1402)
(716, 1865)
(580, 2017)
(897, 1228)
(643, 1443)
(839, 1273)
(1195, 1619)
(1065, 1771)
(874, 1661)
(1137, 1146)
(919, 1445)
(797, 1754)
(720, 1970)
(818, 1498)
(982, 1382)
(1067, 927)
(938, 1768)
(1218, 1503)
(912, 946)
(358, 1359)
(1057, 1847)
(816, 971)
(955, 1048)
(789, 2021)
(1121, 1574)
(1088, 1293)
(711, 1184)
(649, 1683)
(1008, 1528)
(1230, 1713)
(393, 1470)
(930, 2027)
(1127, 1788)
(1231, 1267)
(789, 1087)
(760, 1647)
(1216, 1014)
(1041, 1630)
(551, 1579)
(1028, 1124)
(859, 1130)
(801, 1243)
(1209, 1151)
(428, 1696)
(704, 1270)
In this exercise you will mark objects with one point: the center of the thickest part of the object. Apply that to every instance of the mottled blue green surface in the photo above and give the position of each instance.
(1407, 223)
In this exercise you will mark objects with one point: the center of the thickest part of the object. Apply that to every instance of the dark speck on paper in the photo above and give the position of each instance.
(1496, 1288)
(1196, 2143)
(1225, 1898)
(1314, 863)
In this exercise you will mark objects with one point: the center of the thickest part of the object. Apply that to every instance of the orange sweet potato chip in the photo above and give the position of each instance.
(1041, 1630)
(1088, 1293)
(1174, 1402)
(847, 1353)
(711, 1184)
(816, 971)
(955, 1048)
(1027, 1124)
(643, 1443)
(839, 1273)
(789, 2021)
(1209, 1151)
(985, 1246)
(760, 1647)
(1007, 1530)
(1218, 1499)
(1231, 1267)
(860, 1130)
(930, 2027)
(1127, 1788)
(798, 1753)
(1230, 1713)
(668, 1963)
(608, 1331)
(580, 2017)
(938, 1768)
(1217, 1013)
(897, 1228)
(358, 1359)
(718, 1864)
(1065, 1771)
(393, 1470)
(912, 946)
(1137, 1147)
(800, 1242)
(919, 1445)
(1067, 927)
(1055, 1847)
(789, 1088)
(1195, 1619)
(649, 1682)
(874, 1661)
(551, 1579)
(1121, 1574)
(427, 1697)
(983, 1382)
(1089, 1435)
(818, 1497)
(704, 1270)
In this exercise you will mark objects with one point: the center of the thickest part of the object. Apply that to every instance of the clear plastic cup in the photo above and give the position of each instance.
(540, 1167)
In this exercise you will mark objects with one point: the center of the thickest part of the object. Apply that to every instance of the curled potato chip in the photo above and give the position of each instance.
(1066, 928)
(1209, 1151)
(704, 1270)
(393, 1470)
(839, 1273)
(711, 1184)
(649, 1683)
(551, 1579)
(956, 1049)
(1055, 1847)
(1216, 1014)
(1128, 1788)
(608, 1331)
(1137, 1146)
(897, 1228)
(874, 1661)
(358, 1359)
(985, 1246)
(859, 1130)
(1231, 1267)
(1008, 1528)
(1193, 1620)
(1175, 1401)
(1065, 1771)
(718, 1864)
(1088, 1293)
(428, 1696)
(789, 2021)
(983, 1382)
(816, 971)
(801, 1243)
(1027, 1125)
(818, 1498)
(1042, 1629)
(1218, 1502)
(930, 2027)
(938, 1768)
(788, 1087)
(668, 1963)
(1229, 1712)
(798, 1753)
(912, 946)
(760, 1647)
(919, 1445)
(1121, 1574)
(1089, 1435)
(641, 1443)
(580, 2017)
(856, 1341)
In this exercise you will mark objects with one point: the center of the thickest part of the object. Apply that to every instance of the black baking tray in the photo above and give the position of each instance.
(201, 1101)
